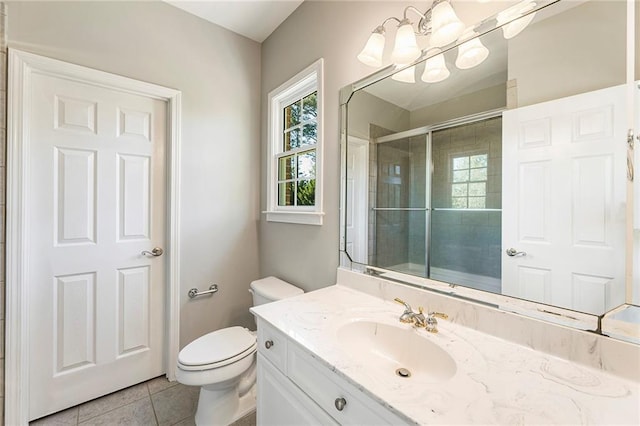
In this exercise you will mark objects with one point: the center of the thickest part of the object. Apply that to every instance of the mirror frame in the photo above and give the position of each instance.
(549, 313)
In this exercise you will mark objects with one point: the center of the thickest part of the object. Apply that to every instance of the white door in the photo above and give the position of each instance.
(564, 196)
(357, 199)
(97, 197)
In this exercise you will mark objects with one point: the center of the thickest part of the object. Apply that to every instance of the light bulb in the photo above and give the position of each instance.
(407, 75)
(472, 52)
(372, 53)
(446, 27)
(435, 69)
(511, 24)
(405, 49)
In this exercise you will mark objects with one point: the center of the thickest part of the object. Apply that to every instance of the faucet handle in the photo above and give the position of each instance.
(432, 323)
(402, 302)
(419, 319)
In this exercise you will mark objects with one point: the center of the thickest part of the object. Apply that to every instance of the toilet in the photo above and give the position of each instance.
(223, 362)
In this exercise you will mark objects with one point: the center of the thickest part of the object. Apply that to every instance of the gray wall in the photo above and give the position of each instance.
(303, 254)
(585, 47)
(337, 31)
(365, 109)
(481, 101)
(218, 73)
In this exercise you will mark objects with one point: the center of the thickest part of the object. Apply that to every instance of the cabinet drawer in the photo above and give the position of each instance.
(272, 344)
(324, 387)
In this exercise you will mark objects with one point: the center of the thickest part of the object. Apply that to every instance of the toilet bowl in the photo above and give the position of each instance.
(223, 363)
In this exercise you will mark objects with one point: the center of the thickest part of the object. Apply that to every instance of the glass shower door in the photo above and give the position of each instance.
(398, 218)
(466, 204)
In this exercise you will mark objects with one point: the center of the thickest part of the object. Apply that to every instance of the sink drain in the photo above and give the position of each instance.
(403, 372)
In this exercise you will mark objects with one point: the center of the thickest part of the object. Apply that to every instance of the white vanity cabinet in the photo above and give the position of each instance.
(294, 388)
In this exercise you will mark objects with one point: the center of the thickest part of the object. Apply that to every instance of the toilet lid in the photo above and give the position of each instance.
(217, 347)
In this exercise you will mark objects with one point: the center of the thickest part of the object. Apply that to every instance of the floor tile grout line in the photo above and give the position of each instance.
(110, 411)
(76, 417)
(182, 420)
(153, 407)
(113, 409)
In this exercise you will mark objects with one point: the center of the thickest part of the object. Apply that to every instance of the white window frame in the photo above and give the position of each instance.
(468, 154)
(305, 82)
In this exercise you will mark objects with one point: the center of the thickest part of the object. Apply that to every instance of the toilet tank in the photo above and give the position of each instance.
(270, 289)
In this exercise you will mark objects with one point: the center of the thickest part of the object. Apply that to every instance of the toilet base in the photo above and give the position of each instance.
(219, 407)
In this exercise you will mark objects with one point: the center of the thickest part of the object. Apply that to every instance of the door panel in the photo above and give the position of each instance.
(133, 309)
(97, 197)
(566, 209)
(75, 196)
(133, 200)
(74, 322)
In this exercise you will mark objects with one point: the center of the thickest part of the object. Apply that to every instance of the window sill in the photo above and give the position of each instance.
(300, 218)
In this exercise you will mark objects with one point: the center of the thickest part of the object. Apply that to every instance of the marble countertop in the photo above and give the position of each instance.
(496, 381)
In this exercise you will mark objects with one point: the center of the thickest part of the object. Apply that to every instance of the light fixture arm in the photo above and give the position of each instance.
(413, 9)
(380, 28)
(423, 26)
(393, 18)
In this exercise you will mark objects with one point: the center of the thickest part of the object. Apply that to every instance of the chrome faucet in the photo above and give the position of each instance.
(429, 323)
(410, 317)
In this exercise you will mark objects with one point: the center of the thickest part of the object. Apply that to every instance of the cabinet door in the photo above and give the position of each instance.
(281, 403)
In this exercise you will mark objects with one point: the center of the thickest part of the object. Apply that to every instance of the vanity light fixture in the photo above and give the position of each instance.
(440, 21)
(405, 49)
(435, 69)
(472, 52)
(372, 53)
(443, 25)
(405, 76)
(516, 25)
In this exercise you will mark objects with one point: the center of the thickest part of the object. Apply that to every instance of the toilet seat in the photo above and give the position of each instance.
(217, 349)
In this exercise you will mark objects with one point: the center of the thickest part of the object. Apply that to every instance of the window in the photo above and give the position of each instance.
(297, 160)
(295, 149)
(469, 182)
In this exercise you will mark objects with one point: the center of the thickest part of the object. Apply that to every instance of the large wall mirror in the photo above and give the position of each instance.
(510, 177)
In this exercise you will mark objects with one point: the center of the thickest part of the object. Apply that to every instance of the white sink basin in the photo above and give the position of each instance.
(392, 351)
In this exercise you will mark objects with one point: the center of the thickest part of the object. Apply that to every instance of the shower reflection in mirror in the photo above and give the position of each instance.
(459, 193)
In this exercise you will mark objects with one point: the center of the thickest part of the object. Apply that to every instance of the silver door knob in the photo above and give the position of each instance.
(340, 403)
(513, 252)
(157, 251)
(268, 344)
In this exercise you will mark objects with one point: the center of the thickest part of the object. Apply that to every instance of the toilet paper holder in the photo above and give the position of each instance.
(213, 288)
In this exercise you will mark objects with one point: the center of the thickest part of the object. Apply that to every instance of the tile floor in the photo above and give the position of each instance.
(156, 402)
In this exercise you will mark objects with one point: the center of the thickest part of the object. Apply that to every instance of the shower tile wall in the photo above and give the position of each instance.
(467, 241)
(397, 181)
(417, 235)
(392, 226)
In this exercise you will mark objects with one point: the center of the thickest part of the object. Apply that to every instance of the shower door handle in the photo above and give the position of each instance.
(511, 252)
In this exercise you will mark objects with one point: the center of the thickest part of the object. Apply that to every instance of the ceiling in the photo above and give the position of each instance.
(255, 19)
